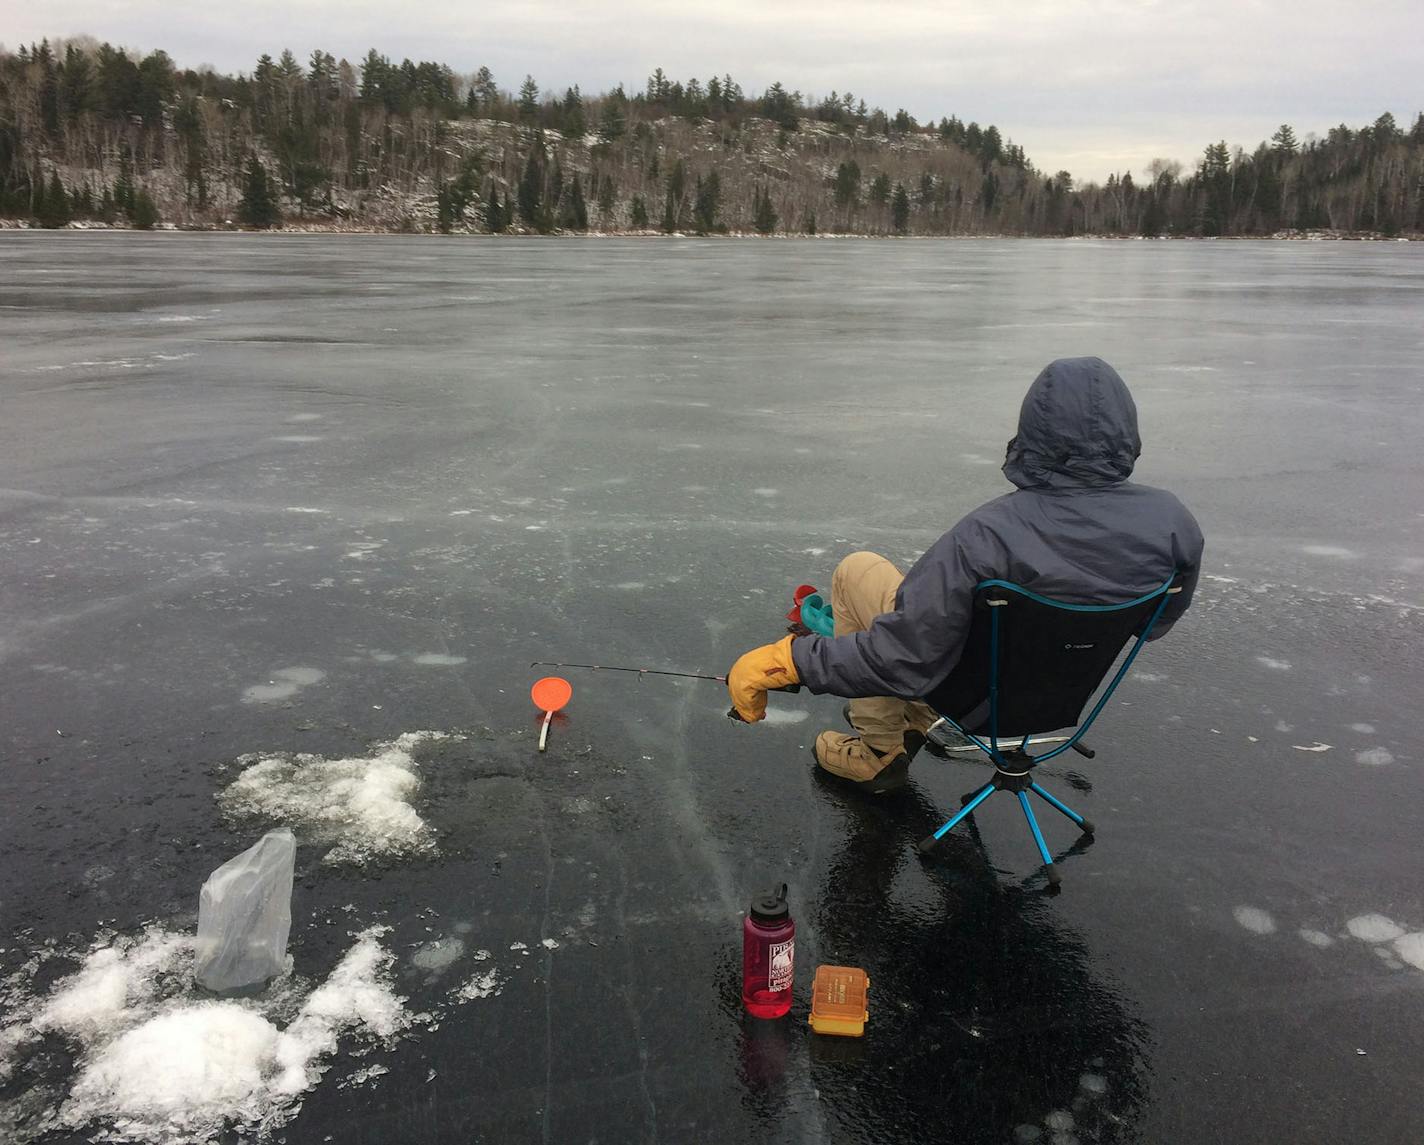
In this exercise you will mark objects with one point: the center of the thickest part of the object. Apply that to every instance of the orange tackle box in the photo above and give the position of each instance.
(839, 1003)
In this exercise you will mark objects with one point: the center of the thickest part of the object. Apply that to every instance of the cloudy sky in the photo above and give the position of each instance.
(1089, 86)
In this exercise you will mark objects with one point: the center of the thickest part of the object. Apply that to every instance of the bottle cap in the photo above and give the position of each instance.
(770, 906)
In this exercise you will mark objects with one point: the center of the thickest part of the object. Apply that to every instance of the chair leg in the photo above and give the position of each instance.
(1085, 825)
(927, 843)
(1053, 876)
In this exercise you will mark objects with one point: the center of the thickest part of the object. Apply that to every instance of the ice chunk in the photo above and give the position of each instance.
(245, 914)
(1254, 919)
(1374, 928)
(1411, 949)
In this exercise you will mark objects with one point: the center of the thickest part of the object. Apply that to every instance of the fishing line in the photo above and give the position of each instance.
(639, 671)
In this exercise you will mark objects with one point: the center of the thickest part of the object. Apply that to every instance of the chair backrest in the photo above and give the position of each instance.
(1030, 664)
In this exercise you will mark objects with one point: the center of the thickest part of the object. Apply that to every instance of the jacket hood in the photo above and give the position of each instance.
(1077, 428)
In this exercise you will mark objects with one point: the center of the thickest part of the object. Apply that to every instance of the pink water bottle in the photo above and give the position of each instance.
(768, 955)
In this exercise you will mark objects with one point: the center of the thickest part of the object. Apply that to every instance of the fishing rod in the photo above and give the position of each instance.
(639, 671)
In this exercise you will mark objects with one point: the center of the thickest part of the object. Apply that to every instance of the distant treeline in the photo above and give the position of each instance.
(88, 132)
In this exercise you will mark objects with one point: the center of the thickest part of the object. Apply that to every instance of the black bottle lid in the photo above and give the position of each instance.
(770, 906)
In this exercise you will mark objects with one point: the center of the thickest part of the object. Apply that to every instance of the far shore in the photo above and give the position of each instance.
(317, 228)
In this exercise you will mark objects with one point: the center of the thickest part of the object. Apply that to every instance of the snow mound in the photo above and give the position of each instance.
(159, 1063)
(361, 804)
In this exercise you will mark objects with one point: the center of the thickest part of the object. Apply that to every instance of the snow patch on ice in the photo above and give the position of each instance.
(438, 956)
(1149, 677)
(285, 683)
(484, 985)
(1274, 664)
(305, 509)
(362, 804)
(297, 438)
(159, 1063)
(786, 716)
(1411, 949)
(1329, 551)
(1363, 729)
(1316, 937)
(1375, 756)
(765, 492)
(305, 417)
(1255, 920)
(1374, 928)
(437, 660)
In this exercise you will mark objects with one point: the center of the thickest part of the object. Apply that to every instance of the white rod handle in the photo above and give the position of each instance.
(544, 731)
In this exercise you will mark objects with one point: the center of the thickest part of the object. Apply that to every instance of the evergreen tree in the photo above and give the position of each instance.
(76, 85)
(145, 213)
(706, 203)
(53, 209)
(763, 213)
(124, 184)
(258, 207)
(847, 187)
(531, 184)
(809, 226)
(1283, 141)
(1153, 217)
(607, 196)
(638, 214)
(48, 89)
(900, 209)
(495, 217)
(676, 188)
(574, 123)
(529, 100)
(574, 216)
(880, 189)
(613, 121)
(483, 91)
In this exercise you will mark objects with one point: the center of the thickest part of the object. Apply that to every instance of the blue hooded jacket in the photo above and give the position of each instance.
(1075, 529)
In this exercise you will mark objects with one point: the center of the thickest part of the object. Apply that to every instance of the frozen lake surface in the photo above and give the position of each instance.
(271, 506)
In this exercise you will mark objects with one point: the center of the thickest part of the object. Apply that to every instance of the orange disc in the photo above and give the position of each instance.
(551, 693)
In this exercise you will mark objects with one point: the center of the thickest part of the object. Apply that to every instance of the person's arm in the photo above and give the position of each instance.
(906, 652)
(1187, 547)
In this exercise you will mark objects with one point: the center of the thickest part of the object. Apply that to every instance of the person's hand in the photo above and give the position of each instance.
(763, 669)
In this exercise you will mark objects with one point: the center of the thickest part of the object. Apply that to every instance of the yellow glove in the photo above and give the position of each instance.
(763, 669)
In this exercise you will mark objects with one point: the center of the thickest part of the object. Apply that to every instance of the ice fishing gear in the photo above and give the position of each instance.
(639, 671)
(810, 611)
(549, 695)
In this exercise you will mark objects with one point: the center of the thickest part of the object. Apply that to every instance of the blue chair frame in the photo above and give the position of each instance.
(1013, 768)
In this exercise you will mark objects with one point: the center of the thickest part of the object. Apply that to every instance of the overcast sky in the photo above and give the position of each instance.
(1089, 86)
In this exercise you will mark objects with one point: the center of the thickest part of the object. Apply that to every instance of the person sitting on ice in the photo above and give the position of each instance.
(1075, 529)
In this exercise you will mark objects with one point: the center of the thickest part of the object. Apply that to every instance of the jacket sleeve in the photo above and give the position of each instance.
(1187, 548)
(903, 653)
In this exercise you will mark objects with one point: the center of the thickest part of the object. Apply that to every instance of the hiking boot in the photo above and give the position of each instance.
(851, 759)
(920, 735)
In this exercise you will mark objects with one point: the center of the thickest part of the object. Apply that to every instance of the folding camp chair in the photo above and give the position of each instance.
(1029, 666)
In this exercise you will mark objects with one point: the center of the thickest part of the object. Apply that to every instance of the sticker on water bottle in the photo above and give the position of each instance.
(783, 958)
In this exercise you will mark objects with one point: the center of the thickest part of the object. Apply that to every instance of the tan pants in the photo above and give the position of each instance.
(862, 587)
